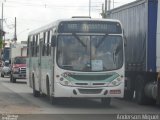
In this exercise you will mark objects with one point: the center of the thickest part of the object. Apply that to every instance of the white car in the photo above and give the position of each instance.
(5, 69)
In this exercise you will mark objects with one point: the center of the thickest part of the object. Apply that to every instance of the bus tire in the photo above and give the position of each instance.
(105, 102)
(35, 92)
(52, 99)
(47, 88)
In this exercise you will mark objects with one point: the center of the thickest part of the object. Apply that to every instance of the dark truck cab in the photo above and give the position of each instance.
(18, 68)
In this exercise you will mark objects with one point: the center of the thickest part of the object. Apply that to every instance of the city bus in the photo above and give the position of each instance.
(77, 58)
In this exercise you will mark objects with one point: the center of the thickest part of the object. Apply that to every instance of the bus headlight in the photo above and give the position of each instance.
(65, 82)
(115, 82)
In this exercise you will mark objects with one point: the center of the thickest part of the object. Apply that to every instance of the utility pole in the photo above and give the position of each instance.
(1, 34)
(15, 32)
(2, 17)
(113, 4)
(106, 2)
(109, 4)
(89, 8)
(104, 9)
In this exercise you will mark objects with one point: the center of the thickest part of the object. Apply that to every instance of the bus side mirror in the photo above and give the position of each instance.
(53, 41)
(125, 41)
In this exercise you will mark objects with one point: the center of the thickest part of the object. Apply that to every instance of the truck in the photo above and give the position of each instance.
(142, 52)
(18, 61)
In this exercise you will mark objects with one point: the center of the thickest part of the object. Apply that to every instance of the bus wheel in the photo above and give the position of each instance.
(105, 102)
(35, 92)
(47, 88)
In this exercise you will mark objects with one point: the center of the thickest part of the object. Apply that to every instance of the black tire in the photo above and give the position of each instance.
(2, 75)
(141, 98)
(47, 88)
(13, 79)
(105, 102)
(52, 99)
(35, 92)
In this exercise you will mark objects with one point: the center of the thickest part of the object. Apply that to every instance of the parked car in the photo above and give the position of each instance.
(5, 69)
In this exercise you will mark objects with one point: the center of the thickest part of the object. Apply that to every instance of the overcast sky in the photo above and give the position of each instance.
(32, 14)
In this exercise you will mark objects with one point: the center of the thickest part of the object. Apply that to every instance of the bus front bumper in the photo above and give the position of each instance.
(88, 92)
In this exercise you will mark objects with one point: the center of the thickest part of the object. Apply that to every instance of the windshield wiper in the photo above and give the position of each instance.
(74, 34)
(101, 41)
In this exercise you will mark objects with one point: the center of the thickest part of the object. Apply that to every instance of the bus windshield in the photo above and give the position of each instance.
(90, 53)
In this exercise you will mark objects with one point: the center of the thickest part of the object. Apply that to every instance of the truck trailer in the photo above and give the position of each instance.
(142, 51)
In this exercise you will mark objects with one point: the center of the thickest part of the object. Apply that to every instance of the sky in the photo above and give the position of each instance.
(32, 14)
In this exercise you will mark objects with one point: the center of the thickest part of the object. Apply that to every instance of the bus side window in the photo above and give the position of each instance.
(28, 46)
(50, 37)
(43, 51)
(33, 46)
(48, 44)
(37, 47)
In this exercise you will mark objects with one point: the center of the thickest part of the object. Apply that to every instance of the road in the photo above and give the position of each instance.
(17, 98)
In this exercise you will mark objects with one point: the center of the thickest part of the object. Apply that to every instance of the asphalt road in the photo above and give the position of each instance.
(17, 99)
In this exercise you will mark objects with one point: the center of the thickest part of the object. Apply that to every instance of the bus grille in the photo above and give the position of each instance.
(90, 91)
(23, 70)
(90, 77)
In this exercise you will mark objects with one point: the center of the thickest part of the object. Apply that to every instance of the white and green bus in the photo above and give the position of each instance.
(77, 58)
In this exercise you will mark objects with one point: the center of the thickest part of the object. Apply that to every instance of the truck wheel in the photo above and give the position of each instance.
(2, 75)
(105, 102)
(10, 78)
(35, 92)
(14, 80)
(141, 98)
(140, 95)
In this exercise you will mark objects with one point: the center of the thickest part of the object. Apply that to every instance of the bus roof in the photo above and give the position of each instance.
(55, 23)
